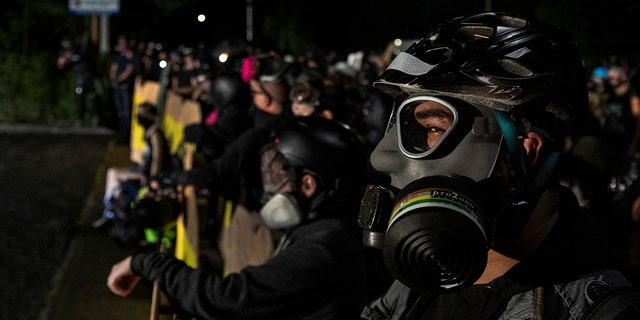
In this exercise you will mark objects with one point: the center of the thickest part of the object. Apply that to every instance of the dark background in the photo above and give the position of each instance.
(46, 179)
(602, 27)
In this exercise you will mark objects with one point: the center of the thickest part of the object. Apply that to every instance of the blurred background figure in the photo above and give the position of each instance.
(77, 59)
(122, 75)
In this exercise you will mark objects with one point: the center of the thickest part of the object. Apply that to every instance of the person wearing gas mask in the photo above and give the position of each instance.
(312, 180)
(474, 224)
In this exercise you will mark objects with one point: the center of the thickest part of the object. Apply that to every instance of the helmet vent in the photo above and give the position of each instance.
(474, 33)
(512, 21)
(514, 67)
(437, 55)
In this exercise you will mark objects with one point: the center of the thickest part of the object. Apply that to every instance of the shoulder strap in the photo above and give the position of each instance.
(619, 304)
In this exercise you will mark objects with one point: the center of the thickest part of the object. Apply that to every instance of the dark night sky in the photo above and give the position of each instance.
(344, 24)
(351, 25)
(600, 26)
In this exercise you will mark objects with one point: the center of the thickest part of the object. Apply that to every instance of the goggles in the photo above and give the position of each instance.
(424, 123)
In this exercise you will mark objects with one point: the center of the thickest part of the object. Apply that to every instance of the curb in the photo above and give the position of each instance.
(53, 129)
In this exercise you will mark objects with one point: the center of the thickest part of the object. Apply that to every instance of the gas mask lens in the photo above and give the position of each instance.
(423, 123)
(275, 172)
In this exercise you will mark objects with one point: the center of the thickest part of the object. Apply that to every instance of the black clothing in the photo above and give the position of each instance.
(167, 166)
(319, 274)
(229, 97)
(236, 173)
(579, 244)
(620, 125)
(81, 64)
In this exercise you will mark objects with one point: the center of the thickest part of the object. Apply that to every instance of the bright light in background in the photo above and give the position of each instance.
(397, 42)
(223, 57)
(163, 64)
(201, 18)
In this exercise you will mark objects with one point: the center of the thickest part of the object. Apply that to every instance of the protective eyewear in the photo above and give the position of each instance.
(423, 123)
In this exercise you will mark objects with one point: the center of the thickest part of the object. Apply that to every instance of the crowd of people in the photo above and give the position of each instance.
(497, 179)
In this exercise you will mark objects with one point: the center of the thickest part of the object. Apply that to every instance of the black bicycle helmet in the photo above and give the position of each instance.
(497, 60)
(229, 91)
(327, 147)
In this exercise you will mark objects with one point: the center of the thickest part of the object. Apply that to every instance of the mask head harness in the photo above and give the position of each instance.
(489, 78)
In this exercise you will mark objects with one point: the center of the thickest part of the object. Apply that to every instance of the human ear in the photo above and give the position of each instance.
(308, 185)
(532, 143)
(327, 114)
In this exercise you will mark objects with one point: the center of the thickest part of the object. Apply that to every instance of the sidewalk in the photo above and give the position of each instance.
(81, 291)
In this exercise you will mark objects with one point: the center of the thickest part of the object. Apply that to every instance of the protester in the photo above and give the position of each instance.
(311, 172)
(184, 80)
(235, 172)
(124, 182)
(122, 75)
(622, 123)
(227, 118)
(78, 59)
(375, 106)
(479, 227)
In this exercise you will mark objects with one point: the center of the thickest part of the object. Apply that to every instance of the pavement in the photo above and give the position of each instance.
(63, 155)
(79, 286)
(80, 291)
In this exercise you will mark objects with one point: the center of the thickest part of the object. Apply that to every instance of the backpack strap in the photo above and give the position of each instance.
(618, 304)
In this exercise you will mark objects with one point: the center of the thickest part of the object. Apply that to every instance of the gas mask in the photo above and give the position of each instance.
(434, 227)
(280, 210)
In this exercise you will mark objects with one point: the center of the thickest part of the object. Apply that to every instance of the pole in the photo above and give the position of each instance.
(487, 5)
(104, 34)
(249, 34)
(95, 28)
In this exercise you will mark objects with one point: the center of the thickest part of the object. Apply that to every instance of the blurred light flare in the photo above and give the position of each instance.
(223, 57)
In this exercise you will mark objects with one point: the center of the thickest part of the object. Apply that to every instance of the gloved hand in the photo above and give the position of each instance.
(189, 177)
(160, 186)
(193, 133)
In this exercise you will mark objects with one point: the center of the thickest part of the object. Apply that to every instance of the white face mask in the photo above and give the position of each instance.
(281, 211)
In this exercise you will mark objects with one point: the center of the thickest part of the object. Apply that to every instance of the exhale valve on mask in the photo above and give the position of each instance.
(434, 236)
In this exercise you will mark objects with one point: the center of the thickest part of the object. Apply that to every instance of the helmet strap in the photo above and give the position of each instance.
(544, 173)
(510, 135)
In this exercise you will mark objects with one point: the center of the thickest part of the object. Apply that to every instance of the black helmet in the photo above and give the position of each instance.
(497, 60)
(327, 147)
(228, 90)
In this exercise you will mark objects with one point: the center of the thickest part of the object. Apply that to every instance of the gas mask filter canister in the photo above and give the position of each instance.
(436, 235)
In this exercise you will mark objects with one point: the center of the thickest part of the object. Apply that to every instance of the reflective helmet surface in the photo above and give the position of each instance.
(228, 90)
(326, 147)
(498, 60)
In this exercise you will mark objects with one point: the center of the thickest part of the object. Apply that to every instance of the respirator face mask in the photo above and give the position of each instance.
(280, 209)
(434, 226)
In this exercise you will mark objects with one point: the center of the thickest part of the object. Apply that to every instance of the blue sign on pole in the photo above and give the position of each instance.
(94, 7)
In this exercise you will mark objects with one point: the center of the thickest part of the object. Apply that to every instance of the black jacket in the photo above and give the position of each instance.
(578, 247)
(236, 173)
(320, 274)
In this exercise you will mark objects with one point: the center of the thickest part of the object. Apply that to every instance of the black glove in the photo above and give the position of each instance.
(189, 177)
(193, 133)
